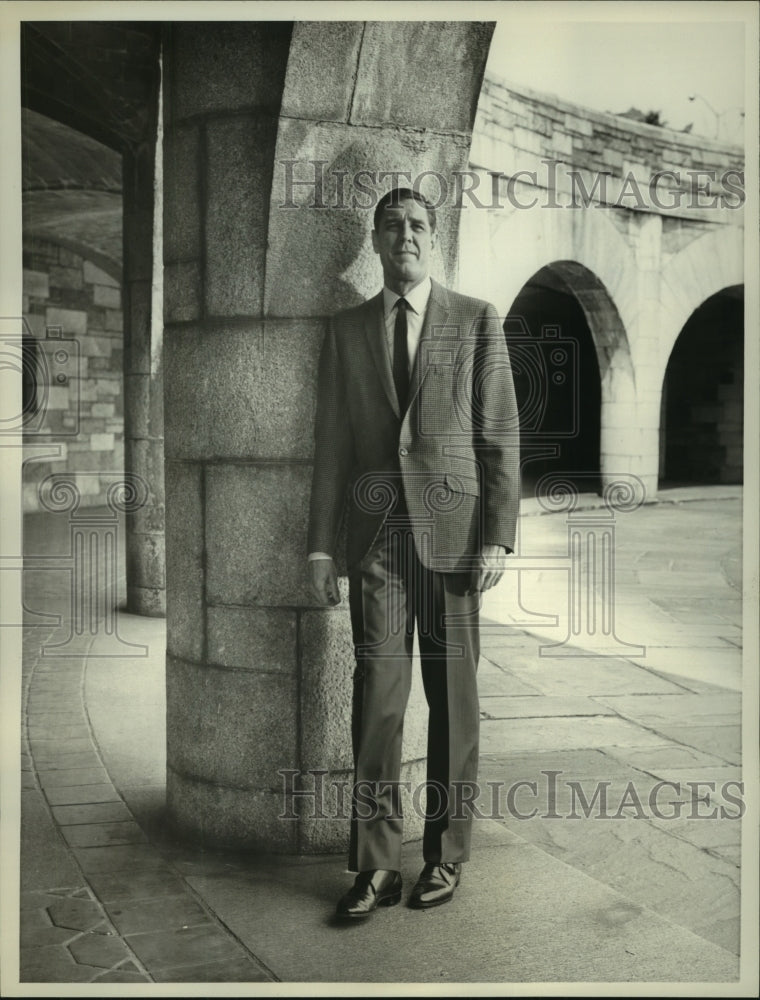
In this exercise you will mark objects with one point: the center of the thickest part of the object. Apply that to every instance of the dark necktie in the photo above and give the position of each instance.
(401, 355)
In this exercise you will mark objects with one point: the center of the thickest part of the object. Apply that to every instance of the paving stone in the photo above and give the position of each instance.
(194, 861)
(59, 693)
(702, 686)
(673, 877)
(65, 705)
(674, 706)
(73, 776)
(56, 681)
(501, 683)
(586, 763)
(56, 671)
(52, 964)
(39, 937)
(68, 761)
(38, 900)
(54, 710)
(117, 976)
(60, 668)
(102, 834)
(33, 918)
(55, 701)
(543, 707)
(582, 675)
(54, 718)
(702, 826)
(123, 887)
(730, 854)
(687, 663)
(662, 872)
(495, 634)
(98, 950)
(80, 892)
(97, 812)
(45, 861)
(60, 732)
(171, 913)
(554, 794)
(663, 722)
(562, 733)
(233, 971)
(722, 741)
(117, 858)
(161, 950)
(721, 786)
(52, 748)
(55, 745)
(667, 755)
(76, 914)
(81, 794)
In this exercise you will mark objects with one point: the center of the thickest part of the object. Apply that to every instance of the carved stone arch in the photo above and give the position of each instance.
(705, 267)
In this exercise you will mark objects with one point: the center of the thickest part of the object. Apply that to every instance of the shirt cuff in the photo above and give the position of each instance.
(313, 556)
(504, 548)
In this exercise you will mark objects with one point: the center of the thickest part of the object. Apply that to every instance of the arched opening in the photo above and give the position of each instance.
(90, 130)
(702, 400)
(556, 365)
(73, 312)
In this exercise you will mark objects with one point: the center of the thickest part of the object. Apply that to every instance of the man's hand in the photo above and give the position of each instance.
(493, 562)
(324, 581)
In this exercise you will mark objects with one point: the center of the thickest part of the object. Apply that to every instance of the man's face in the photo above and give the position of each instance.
(404, 242)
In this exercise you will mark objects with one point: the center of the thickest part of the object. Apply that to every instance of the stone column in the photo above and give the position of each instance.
(143, 390)
(620, 435)
(646, 351)
(258, 678)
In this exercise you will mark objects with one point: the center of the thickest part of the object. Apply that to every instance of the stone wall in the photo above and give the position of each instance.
(530, 128)
(71, 305)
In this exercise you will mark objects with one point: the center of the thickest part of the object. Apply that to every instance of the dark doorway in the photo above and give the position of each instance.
(557, 384)
(703, 397)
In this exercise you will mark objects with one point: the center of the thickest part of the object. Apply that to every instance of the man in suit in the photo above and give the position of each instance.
(416, 442)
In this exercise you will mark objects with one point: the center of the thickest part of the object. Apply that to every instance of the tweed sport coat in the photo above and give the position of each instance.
(454, 453)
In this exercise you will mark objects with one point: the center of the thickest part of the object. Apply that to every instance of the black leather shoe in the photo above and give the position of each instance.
(435, 885)
(370, 890)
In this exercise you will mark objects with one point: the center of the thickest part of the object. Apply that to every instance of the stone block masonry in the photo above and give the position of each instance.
(84, 416)
(595, 131)
(258, 679)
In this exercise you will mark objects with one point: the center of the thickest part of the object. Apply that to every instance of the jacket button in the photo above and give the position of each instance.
(403, 452)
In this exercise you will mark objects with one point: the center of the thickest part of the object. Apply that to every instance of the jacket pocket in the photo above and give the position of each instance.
(460, 483)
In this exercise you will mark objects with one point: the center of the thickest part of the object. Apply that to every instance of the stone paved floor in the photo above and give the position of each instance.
(643, 888)
(99, 902)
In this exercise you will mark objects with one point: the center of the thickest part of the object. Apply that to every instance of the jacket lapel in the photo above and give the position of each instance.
(374, 329)
(435, 316)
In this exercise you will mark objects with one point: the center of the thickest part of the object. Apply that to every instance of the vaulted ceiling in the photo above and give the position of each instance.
(89, 95)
